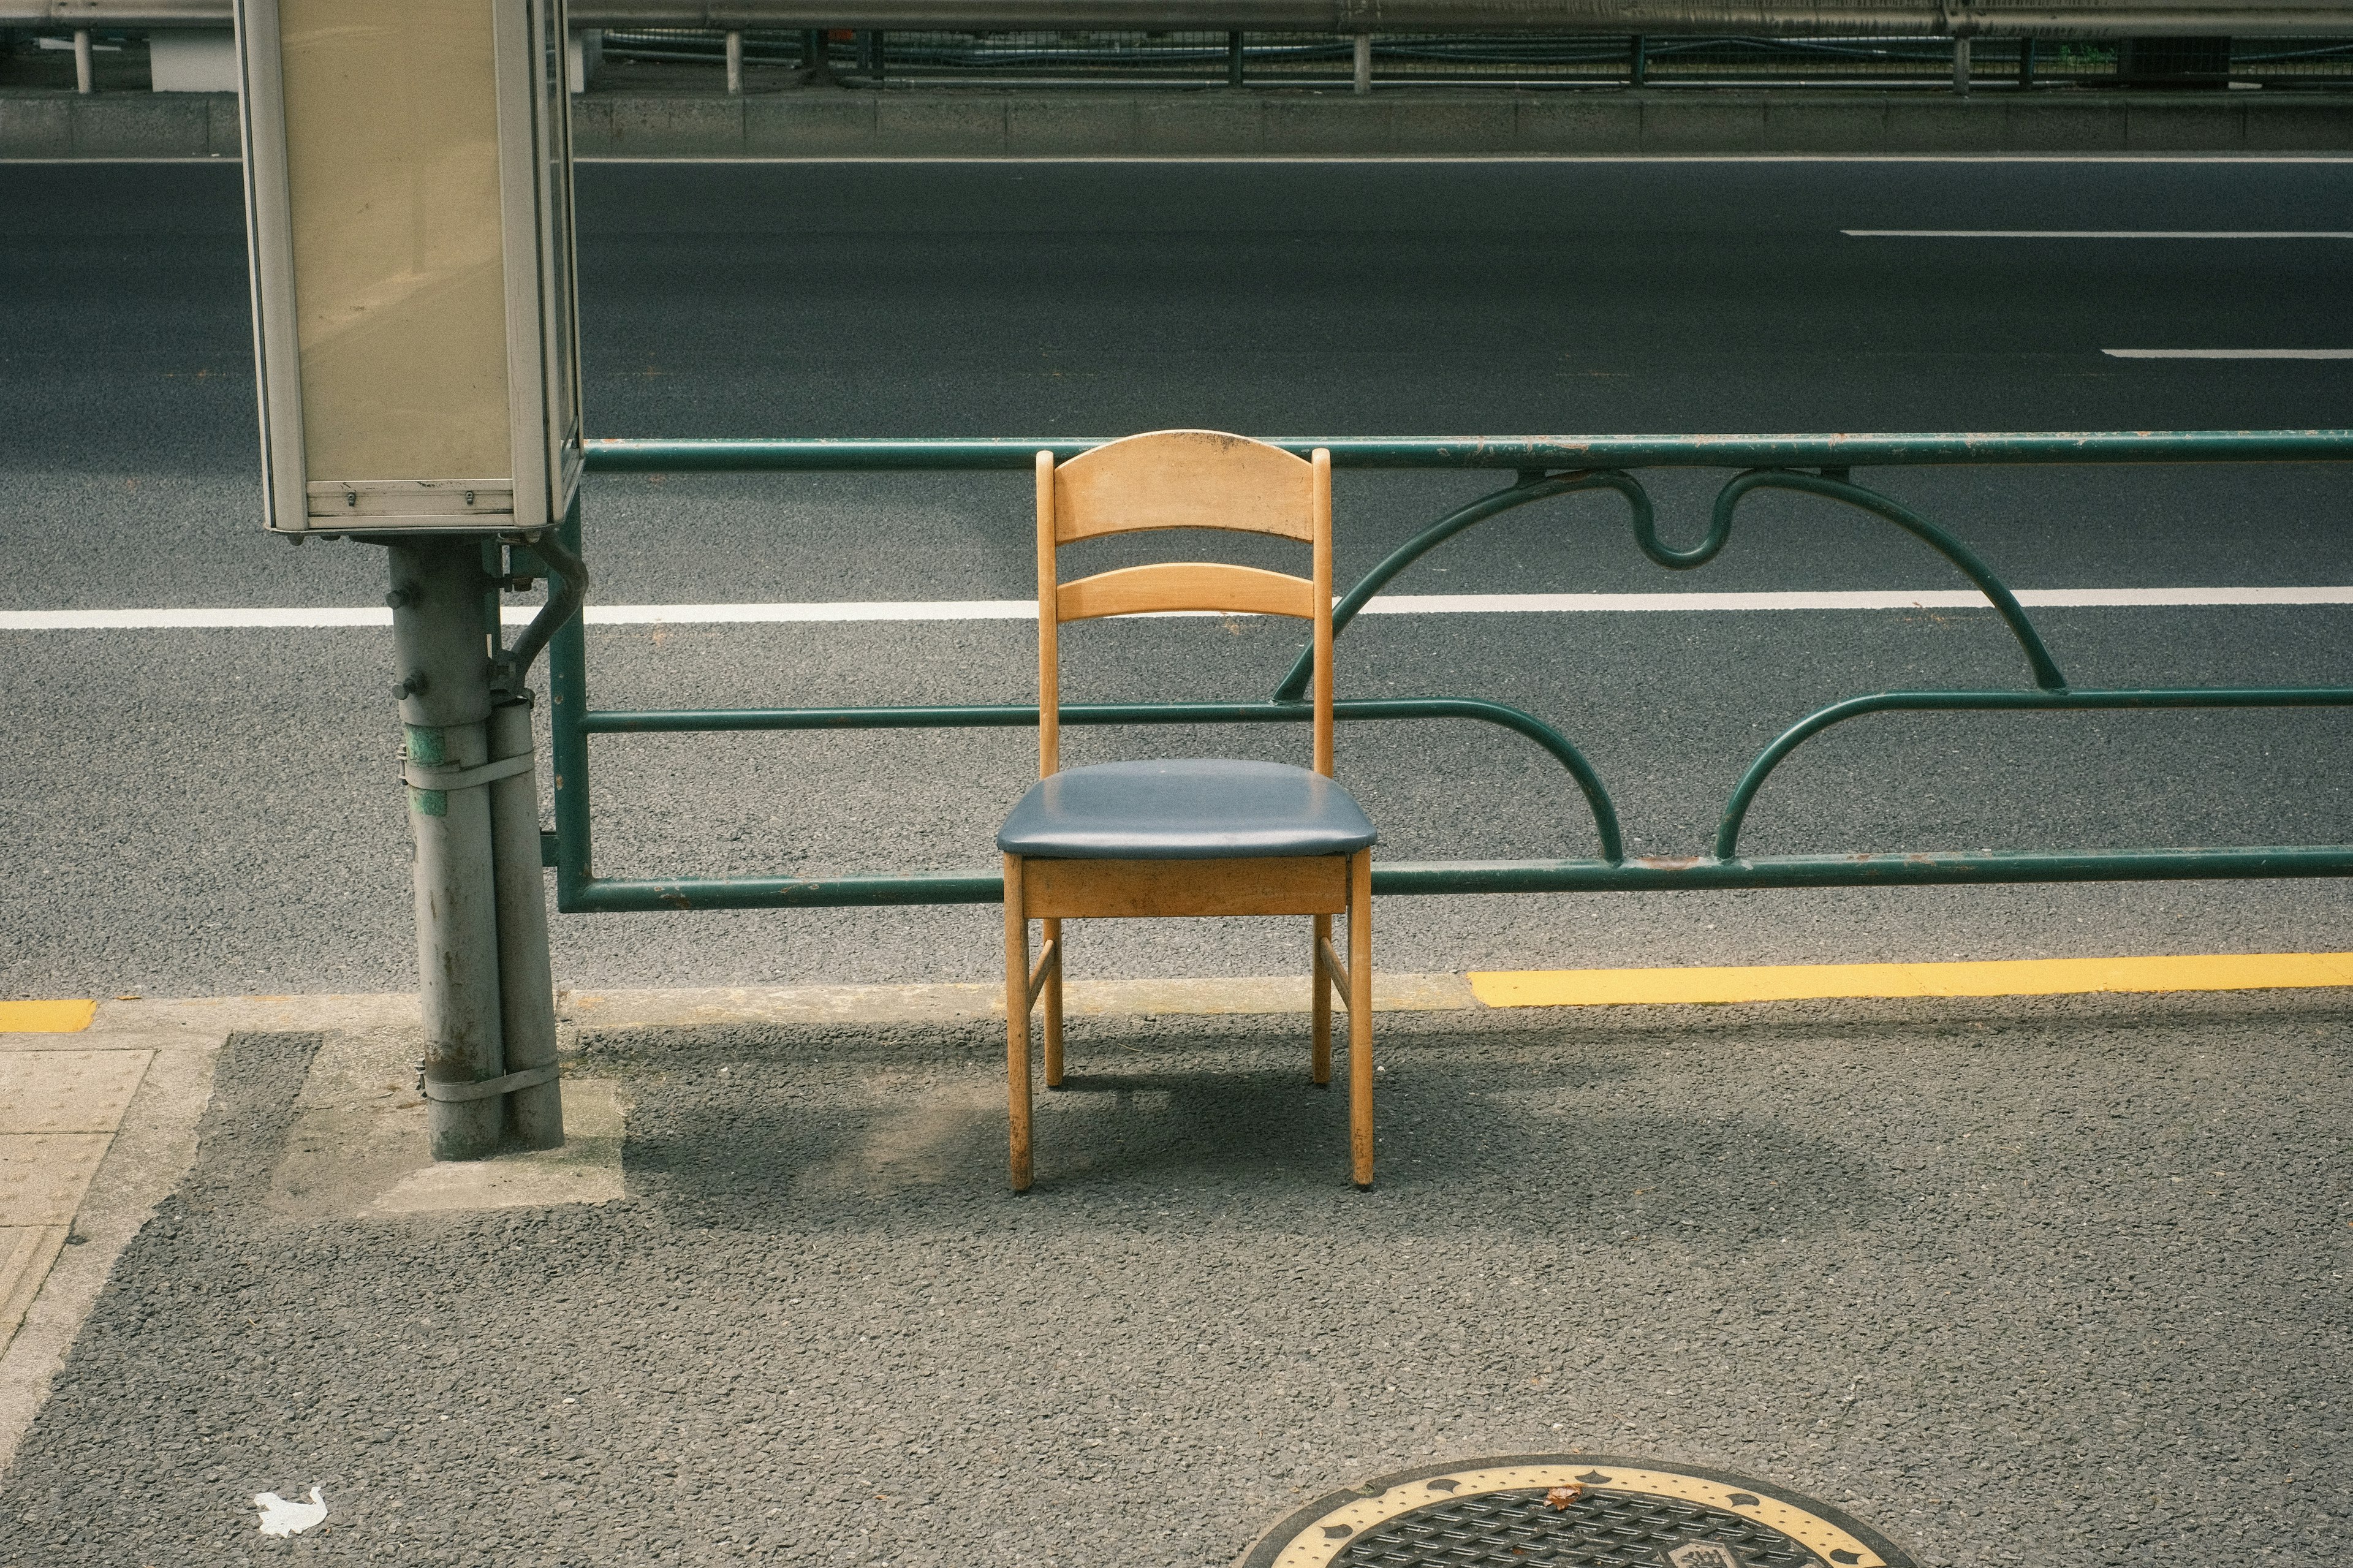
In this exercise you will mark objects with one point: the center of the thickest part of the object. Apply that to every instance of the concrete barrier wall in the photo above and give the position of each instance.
(1406, 122)
(118, 125)
(980, 123)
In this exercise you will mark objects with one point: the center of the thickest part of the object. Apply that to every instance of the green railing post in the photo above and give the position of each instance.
(567, 713)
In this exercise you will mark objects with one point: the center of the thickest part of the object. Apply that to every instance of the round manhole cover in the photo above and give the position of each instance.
(1572, 1510)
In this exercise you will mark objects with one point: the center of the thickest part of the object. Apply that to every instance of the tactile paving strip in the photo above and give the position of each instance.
(1570, 1510)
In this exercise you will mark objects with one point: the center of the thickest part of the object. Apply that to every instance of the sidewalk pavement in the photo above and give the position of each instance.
(2039, 1281)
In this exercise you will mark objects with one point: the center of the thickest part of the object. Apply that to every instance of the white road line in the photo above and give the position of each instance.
(2098, 233)
(1436, 158)
(185, 620)
(2228, 353)
(738, 615)
(2255, 158)
(1023, 609)
(1847, 599)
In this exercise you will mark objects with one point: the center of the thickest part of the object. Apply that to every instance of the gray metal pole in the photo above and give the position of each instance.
(527, 984)
(85, 78)
(1961, 66)
(735, 63)
(441, 636)
(1364, 62)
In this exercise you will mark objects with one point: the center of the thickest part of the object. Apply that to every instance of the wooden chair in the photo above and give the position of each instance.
(1187, 837)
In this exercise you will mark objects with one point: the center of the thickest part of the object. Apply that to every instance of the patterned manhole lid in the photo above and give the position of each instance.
(1572, 1510)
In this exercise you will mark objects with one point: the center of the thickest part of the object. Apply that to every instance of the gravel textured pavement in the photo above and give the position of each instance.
(2052, 1283)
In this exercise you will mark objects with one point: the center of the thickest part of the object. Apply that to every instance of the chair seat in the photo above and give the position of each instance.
(1189, 809)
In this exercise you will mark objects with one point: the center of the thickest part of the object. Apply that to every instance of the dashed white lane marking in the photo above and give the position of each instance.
(2228, 353)
(2098, 233)
(1023, 609)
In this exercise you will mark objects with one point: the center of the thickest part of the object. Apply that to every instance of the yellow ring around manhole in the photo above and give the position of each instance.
(1391, 1519)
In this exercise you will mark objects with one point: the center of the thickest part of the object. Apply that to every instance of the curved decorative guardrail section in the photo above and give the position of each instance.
(1735, 810)
(1644, 517)
(1543, 468)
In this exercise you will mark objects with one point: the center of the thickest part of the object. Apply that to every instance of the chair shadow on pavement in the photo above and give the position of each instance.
(1503, 1128)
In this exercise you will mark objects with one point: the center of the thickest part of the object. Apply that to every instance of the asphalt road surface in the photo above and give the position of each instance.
(200, 811)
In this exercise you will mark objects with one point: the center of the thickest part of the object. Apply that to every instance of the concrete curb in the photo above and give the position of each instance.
(974, 123)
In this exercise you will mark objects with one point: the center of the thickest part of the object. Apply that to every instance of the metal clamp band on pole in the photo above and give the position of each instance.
(465, 778)
(528, 1077)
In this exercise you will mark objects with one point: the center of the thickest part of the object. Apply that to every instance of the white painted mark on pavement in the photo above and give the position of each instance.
(279, 1517)
(2228, 353)
(823, 610)
(1387, 605)
(178, 620)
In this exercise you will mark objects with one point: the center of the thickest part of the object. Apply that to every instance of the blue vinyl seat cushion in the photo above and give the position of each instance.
(1189, 809)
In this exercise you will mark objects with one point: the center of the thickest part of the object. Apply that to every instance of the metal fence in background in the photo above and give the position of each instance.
(659, 59)
(1275, 59)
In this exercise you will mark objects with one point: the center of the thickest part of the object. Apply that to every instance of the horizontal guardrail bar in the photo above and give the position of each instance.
(615, 896)
(632, 455)
(1015, 716)
(1763, 18)
(1888, 870)
(676, 721)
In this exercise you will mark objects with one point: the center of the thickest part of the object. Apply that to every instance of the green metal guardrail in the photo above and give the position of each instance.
(1543, 467)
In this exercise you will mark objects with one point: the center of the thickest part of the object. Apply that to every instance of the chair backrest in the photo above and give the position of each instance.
(1182, 478)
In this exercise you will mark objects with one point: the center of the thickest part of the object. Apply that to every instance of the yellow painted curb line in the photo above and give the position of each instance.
(46, 1017)
(2017, 977)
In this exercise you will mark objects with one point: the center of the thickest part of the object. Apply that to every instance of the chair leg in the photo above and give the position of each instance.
(1360, 1015)
(1321, 1007)
(1017, 1022)
(1050, 935)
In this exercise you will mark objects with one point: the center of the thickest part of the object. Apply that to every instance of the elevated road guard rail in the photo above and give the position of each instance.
(1542, 468)
(1762, 18)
